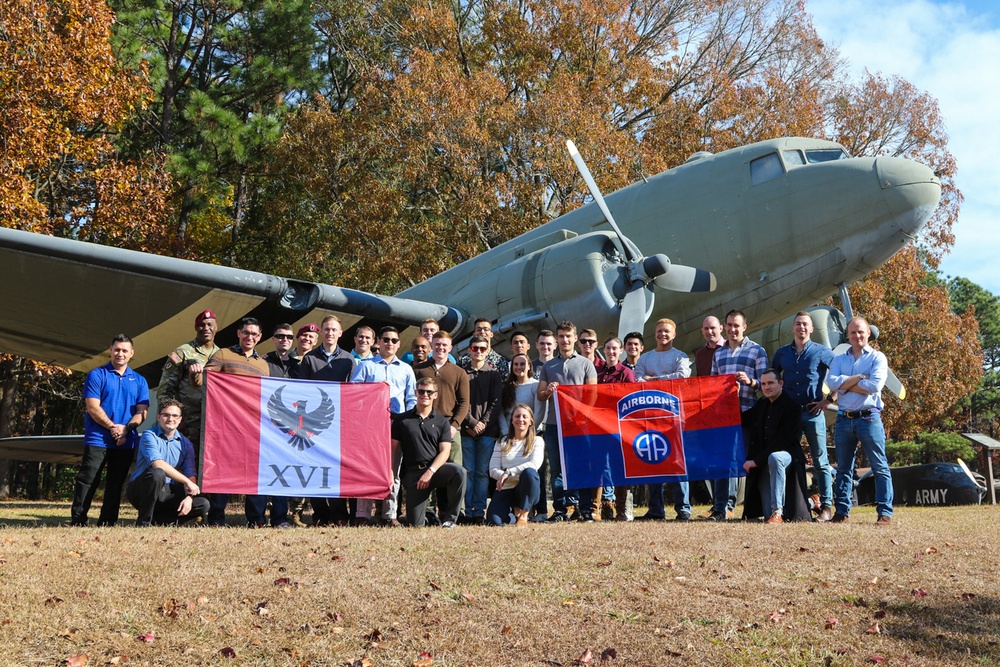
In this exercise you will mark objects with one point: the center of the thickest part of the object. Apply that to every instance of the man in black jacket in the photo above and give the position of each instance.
(774, 452)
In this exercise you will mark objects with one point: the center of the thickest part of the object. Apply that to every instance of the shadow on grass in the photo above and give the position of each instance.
(968, 625)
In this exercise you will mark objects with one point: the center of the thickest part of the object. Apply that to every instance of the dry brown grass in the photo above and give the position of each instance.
(651, 594)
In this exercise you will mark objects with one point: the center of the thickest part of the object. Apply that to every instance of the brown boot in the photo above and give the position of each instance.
(775, 518)
(621, 506)
(520, 517)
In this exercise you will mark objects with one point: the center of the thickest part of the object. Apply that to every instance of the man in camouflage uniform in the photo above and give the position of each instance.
(180, 370)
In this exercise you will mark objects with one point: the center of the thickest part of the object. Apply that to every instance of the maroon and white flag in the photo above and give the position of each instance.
(281, 437)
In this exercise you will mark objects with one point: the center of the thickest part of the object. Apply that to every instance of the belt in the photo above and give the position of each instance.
(854, 414)
(418, 466)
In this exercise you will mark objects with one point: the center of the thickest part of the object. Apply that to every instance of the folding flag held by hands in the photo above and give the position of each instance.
(650, 432)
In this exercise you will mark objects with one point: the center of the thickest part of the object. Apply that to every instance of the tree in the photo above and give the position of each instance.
(63, 95)
(221, 73)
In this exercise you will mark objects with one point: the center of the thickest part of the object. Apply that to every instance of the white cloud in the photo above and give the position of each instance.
(952, 51)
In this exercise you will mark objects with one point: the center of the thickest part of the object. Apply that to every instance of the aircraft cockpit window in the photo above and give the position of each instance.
(825, 155)
(765, 169)
(793, 158)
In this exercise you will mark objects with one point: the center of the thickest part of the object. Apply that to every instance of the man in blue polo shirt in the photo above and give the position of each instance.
(164, 486)
(116, 399)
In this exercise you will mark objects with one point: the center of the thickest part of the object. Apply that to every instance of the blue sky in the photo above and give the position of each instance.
(951, 50)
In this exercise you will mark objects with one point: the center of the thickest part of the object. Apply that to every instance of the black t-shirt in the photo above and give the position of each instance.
(420, 439)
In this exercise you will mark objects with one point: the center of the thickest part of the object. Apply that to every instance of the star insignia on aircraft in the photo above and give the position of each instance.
(302, 426)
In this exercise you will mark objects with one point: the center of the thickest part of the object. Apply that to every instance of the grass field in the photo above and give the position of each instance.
(924, 591)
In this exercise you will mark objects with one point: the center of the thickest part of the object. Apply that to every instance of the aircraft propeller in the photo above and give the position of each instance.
(641, 270)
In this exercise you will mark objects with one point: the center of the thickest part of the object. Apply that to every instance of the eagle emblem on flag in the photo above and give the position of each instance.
(294, 421)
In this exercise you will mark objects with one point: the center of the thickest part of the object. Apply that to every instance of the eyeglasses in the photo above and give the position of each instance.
(484, 328)
(426, 392)
(479, 348)
(170, 415)
(386, 339)
(249, 334)
(588, 341)
(283, 336)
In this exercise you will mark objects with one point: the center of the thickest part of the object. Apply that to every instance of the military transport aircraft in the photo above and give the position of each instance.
(769, 228)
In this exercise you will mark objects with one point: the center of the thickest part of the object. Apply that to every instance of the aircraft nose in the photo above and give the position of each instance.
(911, 189)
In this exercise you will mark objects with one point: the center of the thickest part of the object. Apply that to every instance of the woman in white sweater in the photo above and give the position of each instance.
(514, 465)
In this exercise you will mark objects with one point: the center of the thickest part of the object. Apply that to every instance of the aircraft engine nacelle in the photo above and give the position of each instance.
(549, 281)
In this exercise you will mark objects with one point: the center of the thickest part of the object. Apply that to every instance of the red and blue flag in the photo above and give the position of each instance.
(649, 432)
(281, 437)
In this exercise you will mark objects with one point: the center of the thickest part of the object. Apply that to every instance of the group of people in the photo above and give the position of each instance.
(477, 436)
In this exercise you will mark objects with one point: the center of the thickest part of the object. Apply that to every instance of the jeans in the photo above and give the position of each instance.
(682, 500)
(772, 487)
(256, 507)
(869, 431)
(521, 497)
(476, 454)
(88, 478)
(814, 427)
(561, 498)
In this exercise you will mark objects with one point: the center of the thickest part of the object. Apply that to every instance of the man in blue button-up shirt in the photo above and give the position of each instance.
(858, 376)
(804, 365)
(164, 485)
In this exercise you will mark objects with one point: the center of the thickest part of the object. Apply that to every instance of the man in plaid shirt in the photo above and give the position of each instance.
(747, 360)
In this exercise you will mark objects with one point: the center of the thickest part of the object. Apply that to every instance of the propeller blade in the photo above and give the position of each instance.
(633, 315)
(599, 199)
(681, 278)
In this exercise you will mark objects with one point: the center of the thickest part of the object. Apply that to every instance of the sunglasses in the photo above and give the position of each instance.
(588, 341)
(479, 348)
(386, 339)
(284, 336)
(426, 392)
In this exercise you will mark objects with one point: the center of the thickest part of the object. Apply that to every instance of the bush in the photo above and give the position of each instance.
(930, 447)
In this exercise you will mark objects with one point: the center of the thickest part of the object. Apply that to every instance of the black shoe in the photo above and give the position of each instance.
(558, 517)
(650, 517)
(716, 516)
(683, 517)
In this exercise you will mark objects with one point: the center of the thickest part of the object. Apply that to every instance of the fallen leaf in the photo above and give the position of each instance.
(53, 601)
(434, 586)
(585, 657)
(874, 629)
(425, 659)
(968, 596)
(374, 636)
(604, 563)
(918, 592)
(876, 658)
(228, 652)
(830, 623)
(284, 581)
(468, 597)
(78, 660)
(674, 653)
(506, 630)
(202, 599)
(146, 638)
(873, 581)
(880, 614)
(608, 654)
(777, 615)
(568, 603)
(82, 594)
(68, 634)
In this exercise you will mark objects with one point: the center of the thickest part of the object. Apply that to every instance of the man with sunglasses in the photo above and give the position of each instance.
(241, 359)
(282, 360)
(387, 367)
(481, 427)
(421, 443)
(164, 486)
(484, 329)
(587, 344)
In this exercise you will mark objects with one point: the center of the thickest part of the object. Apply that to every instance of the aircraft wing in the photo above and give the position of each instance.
(66, 449)
(63, 300)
